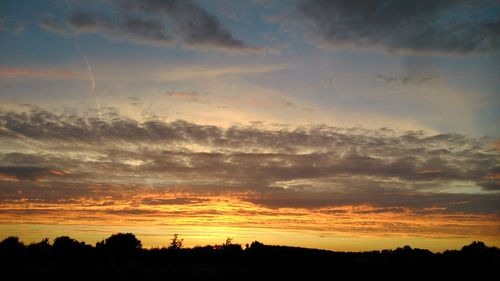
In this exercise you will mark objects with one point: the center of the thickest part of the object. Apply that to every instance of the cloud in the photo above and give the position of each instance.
(88, 22)
(137, 30)
(189, 96)
(69, 168)
(19, 27)
(307, 167)
(153, 22)
(146, 30)
(445, 26)
(404, 80)
(50, 25)
(28, 172)
(231, 100)
(15, 26)
(173, 201)
(183, 73)
(49, 73)
(194, 24)
(387, 79)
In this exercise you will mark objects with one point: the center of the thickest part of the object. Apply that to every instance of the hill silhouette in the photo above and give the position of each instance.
(121, 257)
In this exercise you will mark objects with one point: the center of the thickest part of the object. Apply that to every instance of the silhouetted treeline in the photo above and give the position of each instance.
(121, 257)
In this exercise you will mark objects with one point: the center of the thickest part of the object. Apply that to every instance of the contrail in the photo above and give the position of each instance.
(91, 76)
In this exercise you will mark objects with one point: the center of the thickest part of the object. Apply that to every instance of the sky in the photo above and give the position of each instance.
(344, 125)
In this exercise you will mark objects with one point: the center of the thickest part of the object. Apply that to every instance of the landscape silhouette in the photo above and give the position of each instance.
(122, 257)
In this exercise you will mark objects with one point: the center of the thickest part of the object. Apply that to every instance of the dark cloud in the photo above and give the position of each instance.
(443, 26)
(384, 201)
(149, 30)
(135, 29)
(86, 22)
(173, 201)
(24, 172)
(310, 167)
(154, 22)
(491, 185)
(194, 24)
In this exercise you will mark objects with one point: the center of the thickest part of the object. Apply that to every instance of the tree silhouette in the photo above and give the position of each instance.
(228, 242)
(121, 257)
(176, 243)
(11, 248)
(69, 250)
(476, 246)
(65, 243)
(121, 246)
(11, 244)
(39, 252)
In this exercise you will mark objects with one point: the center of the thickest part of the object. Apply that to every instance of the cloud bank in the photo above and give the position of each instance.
(306, 167)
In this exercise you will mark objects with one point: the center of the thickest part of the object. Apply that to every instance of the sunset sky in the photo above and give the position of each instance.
(344, 125)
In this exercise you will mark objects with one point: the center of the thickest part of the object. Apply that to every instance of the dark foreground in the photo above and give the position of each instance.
(121, 257)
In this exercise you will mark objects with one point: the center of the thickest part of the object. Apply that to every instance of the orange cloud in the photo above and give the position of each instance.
(16, 72)
(58, 172)
(218, 216)
(496, 145)
(429, 171)
(492, 176)
(8, 178)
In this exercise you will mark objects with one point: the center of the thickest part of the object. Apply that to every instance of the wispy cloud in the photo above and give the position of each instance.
(197, 72)
(404, 80)
(227, 101)
(49, 24)
(189, 96)
(42, 73)
(13, 26)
